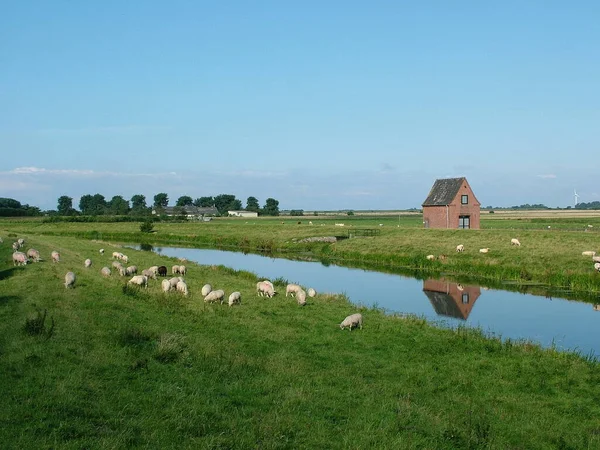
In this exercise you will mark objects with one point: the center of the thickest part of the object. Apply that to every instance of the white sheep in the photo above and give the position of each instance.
(105, 271)
(33, 254)
(515, 241)
(292, 289)
(596, 258)
(165, 285)
(597, 266)
(206, 290)
(265, 289)
(182, 270)
(588, 253)
(352, 321)
(116, 264)
(124, 258)
(131, 270)
(235, 298)
(460, 248)
(140, 280)
(117, 255)
(21, 242)
(215, 296)
(149, 273)
(182, 287)
(122, 271)
(301, 297)
(175, 270)
(55, 256)
(430, 257)
(19, 259)
(173, 281)
(101, 251)
(87, 263)
(154, 270)
(15, 246)
(484, 250)
(69, 280)
(311, 292)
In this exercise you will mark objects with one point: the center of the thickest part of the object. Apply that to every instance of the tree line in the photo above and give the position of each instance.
(96, 205)
(9, 207)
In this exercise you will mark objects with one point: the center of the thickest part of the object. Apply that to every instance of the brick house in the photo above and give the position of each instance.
(451, 204)
(451, 299)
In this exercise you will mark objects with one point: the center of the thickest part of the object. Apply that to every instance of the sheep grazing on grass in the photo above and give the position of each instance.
(33, 254)
(131, 270)
(235, 298)
(182, 287)
(596, 258)
(174, 270)
(597, 267)
(87, 263)
(55, 256)
(430, 257)
(265, 289)
(154, 269)
(19, 259)
(301, 297)
(122, 271)
(515, 241)
(215, 296)
(311, 292)
(182, 270)
(484, 250)
(149, 273)
(116, 264)
(352, 321)
(16, 246)
(166, 286)
(173, 281)
(206, 290)
(117, 255)
(292, 289)
(105, 271)
(162, 271)
(69, 280)
(460, 248)
(139, 280)
(101, 251)
(588, 253)
(21, 242)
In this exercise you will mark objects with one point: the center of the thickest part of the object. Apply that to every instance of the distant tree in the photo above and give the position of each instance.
(161, 200)
(92, 205)
(118, 206)
(180, 212)
(65, 205)
(271, 207)
(350, 213)
(184, 200)
(138, 205)
(9, 203)
(227, 202)
(252, 204)
(297, 212)
(204, 202)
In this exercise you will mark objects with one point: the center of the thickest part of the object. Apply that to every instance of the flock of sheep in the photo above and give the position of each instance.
(264, 288)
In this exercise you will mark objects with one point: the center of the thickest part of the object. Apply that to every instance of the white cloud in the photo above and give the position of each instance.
(547, 176)
(117, 129)
(38, 171)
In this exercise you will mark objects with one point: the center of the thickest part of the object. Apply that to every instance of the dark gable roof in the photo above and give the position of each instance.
(444, 304)
(443, 191)
(191, 210)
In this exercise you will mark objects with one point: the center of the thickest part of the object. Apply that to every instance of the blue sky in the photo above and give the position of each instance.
(321, 105)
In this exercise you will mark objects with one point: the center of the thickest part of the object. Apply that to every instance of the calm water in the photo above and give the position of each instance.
(567, 324)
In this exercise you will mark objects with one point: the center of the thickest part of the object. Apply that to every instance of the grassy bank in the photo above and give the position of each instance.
(118, 368)
(550, 257)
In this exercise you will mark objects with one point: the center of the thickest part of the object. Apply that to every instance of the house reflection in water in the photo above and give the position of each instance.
(451, 299)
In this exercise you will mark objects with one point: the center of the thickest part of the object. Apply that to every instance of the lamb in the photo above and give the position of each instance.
(21, 242)
(69, 280)
(162, 271)
(166, 285)
(55, 256)
(174, 270)
(301, 297)
(105, 271)
(235, 298)
(19, 259)
(484, 250)
(206, 289)
(87, 263)
(140, 280)
(292, 289)
(588, 253)
(182, 287)
(265, 289)
(430, 257)
(33, 254)
(352, 321)
(131, 270)
(460, 248)
(182, 270)
(311, 292)
(515, 241)
(215, 296)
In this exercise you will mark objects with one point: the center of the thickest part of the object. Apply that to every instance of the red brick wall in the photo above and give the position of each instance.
(435, 216)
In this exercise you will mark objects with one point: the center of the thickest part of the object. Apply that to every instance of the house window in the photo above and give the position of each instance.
(464, 199)
(465, 298)
(464, 222)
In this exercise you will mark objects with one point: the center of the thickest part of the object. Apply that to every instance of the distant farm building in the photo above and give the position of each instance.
(190, 212)
(242, 213)
(451, 204)
(451, 299)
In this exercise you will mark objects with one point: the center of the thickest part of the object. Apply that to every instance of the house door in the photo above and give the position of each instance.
(464, 222)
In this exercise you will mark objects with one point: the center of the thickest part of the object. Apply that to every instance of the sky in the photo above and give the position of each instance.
(322, 105)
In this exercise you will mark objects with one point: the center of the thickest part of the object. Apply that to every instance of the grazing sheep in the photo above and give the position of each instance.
(339, 224)
(301, 297)
(15, 246)
(484, 250)
(292, 289)
(166, 286)
(431, 257)
(311, 292)
(105, 271)
(19, 259)
(162, 271)
(173, 281)
(124, 258)
(235, 298)
(69, 280)
(131, 270)
(149, 273)
(55, 256)
(182, 270)
(101, 251)
(140, 280)
(265, 289)
(182, 287)
(87, 263)
(352, 321)
(21, 242)
(597, 266)
(515, 241)
(117, 255)
(154, 269)
(33, 254)
(122, 271)
(174, 270)
(460, 248)
(588, 253)
(596, 258)
(442, 257)
(215, 296)
(116, 264)
(206, 290)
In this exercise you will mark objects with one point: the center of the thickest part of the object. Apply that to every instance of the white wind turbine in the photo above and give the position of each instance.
(576, 195)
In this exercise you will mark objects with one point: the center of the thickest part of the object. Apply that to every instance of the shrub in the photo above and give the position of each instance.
(147, 226)
(350, 213)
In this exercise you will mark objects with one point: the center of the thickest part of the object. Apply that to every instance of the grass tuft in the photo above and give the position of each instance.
(36, 326)
(170, 347)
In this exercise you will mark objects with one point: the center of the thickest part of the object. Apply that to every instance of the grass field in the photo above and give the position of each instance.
(112, 367)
